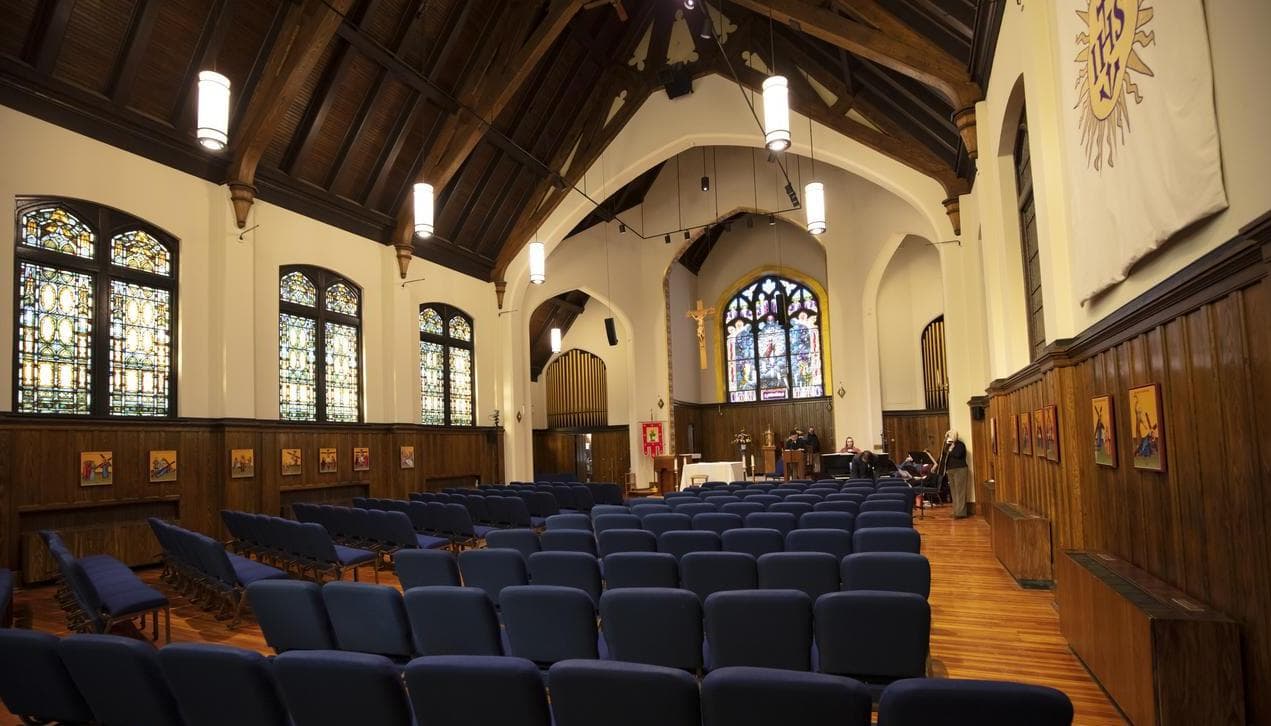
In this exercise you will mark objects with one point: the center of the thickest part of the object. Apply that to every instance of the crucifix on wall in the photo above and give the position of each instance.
(700, 314)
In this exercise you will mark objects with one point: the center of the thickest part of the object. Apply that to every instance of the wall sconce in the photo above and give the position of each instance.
(661, 403)
(841, 392)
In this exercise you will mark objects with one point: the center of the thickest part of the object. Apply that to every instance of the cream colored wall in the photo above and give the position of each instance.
(227, 346)
(686, 378)
(588, 333)
(1026, 48)
(910, 296)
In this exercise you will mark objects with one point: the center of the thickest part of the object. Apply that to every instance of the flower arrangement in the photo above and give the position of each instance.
(741, 438)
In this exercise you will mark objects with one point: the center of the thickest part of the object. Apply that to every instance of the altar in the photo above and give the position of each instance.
(727, 471)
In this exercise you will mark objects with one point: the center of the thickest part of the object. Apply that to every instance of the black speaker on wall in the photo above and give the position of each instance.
(977, 413)
(611, 331)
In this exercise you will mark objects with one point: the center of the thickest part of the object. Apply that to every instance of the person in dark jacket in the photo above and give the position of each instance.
(953, 464)
(863, 466)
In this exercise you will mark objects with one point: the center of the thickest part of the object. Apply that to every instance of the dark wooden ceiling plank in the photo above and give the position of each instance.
(923, 60)
(660, 39)
(933, 116)
(368, 47)
(205, 51)
(389, 154)
(309, 28)
(124, 78)
(825, 75)
(242, 99)
(44, 42)
(947, 21)
(360, 121)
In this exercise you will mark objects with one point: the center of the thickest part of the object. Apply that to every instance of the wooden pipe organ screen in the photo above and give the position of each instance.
(577, 391)
(935, 373)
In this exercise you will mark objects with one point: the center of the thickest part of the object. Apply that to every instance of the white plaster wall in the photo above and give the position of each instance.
(588, 333)
(910, 296)
(686, 378)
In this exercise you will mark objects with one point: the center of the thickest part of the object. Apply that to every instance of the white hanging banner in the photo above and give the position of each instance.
(1139, 130)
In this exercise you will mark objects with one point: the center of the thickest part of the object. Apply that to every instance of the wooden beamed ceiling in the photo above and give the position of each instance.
(339, 106)
(555, 312)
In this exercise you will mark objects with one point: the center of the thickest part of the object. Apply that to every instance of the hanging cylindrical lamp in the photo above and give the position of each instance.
(213, 128)
(555, 340)
(776, 113)
(423, 209)
(538, 263)
(814, 206)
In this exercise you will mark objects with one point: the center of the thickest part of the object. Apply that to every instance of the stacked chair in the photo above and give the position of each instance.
(200, 568)
(113, 680)
(305, 548)
(6, 598)
(98, 592)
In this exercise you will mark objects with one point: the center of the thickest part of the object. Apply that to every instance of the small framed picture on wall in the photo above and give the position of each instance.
(1014, 433)
(1039, 434)
(1052, 433)
(1147, 427)
(1025, 434)
(1104, 438)
(993, 433)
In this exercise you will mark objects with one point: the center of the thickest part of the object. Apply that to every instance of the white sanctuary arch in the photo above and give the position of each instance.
(872, 198)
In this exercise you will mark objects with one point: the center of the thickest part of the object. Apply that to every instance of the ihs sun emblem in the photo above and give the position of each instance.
(1104, 64)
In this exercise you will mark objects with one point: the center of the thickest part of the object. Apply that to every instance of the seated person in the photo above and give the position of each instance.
(849, 447)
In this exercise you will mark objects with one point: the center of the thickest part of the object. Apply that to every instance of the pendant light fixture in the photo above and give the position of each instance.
(213, 128)
(538, 263)
(555, 340)
(776, 113)
(423, 209)
(814, 194)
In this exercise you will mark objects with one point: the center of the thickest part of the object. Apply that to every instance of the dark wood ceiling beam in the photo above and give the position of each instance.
(44, 42)
(893, 86)
(814, 67)
(368, 47)
(947, 22)
(308, 29)
(390, 153)
(124, 78)
(914, 56)
(660, 39)
(206, 50)
(360, 121)
(508, 70)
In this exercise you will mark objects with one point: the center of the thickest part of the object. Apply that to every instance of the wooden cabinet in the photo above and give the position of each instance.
(1021, 542)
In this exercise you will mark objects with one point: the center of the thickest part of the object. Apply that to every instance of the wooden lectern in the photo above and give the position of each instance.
(769, 459)
(664, 470)
(793, 460)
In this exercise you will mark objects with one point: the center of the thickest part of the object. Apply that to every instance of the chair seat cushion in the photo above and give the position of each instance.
(537, 522)
(99, 564)
(481, 530)
(249, 571)
(135, 598)
(353, 555)
(428, 542)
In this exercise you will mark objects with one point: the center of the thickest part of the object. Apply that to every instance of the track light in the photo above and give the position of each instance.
(706, 184)
(814, 192)
(423, 209)
(538, 263)
(621, 228)
(667, 239)
(213, 128)
(772, 220)
(776, 113)
(686, 234)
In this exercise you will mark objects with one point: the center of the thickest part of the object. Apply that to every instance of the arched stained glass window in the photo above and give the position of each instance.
(445, 366)
(319, 346)
(772, 342)
(75, 355)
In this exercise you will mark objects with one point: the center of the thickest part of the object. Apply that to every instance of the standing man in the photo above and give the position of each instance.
(814, 450)
(953, 464)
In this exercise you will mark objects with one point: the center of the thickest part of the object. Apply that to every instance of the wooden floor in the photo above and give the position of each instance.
(983, 624)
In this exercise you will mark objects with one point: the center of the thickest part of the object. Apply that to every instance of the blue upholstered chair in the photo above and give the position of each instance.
(600, 509)
(547, 624)
(568, 540)
(887, 571)
(744, 696)
(783, 522)
(588, 693)
(614, 541)
(34, 683)
(718, 522)
(835, 505)
(754, 541)
(692, 508)
(524, 541)
(334, 688)
(423, 568)
(681, 542)
(121, 680)
(493, 570)
(569, 521)
(814, 573)
(886, 539)
(452, 621)
(875, 637)
(653, 625)
(660, 522)
(474, 690)
(291, 614)
(798, 509)
(827, 520)
(219, 684)
(874, 504)
(836, 542)
(567, 569)
(950, 702)
(641, 569)
(865, 520)
(742, 508)
(761, 628)
(706, 573)
(605, 522)
(368, 618)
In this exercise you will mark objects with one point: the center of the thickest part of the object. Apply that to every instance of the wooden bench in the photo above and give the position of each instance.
(1021, 542)
(1164, 657)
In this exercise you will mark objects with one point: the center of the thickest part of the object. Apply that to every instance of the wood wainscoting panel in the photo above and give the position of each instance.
(906, 431)
(555, 452)
(1199, 525)
(717, 423)
(611, 454)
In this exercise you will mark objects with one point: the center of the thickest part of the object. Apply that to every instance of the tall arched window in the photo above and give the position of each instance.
(772, 334)
(445, 366)
(1028, 242)
(96, 310)
(319, 346)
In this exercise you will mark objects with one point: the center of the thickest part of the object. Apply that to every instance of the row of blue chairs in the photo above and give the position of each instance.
(383, 531)
(528, 509)
(755, 541)
(720, 522)
(703, 573)
(97, 592)
(446, 523)
(872, 635)
(200, 568)
(305, 547)
(810, 497)
(601, 492)
(113, 680)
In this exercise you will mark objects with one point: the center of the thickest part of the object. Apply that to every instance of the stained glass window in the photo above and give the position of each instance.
(55, 340)
(319, 346)
(56, 229)
(445, 366)
(342, 299)
(772, 332)
(140, 349)
(296, 287)
(140, 251)
(69, 360)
